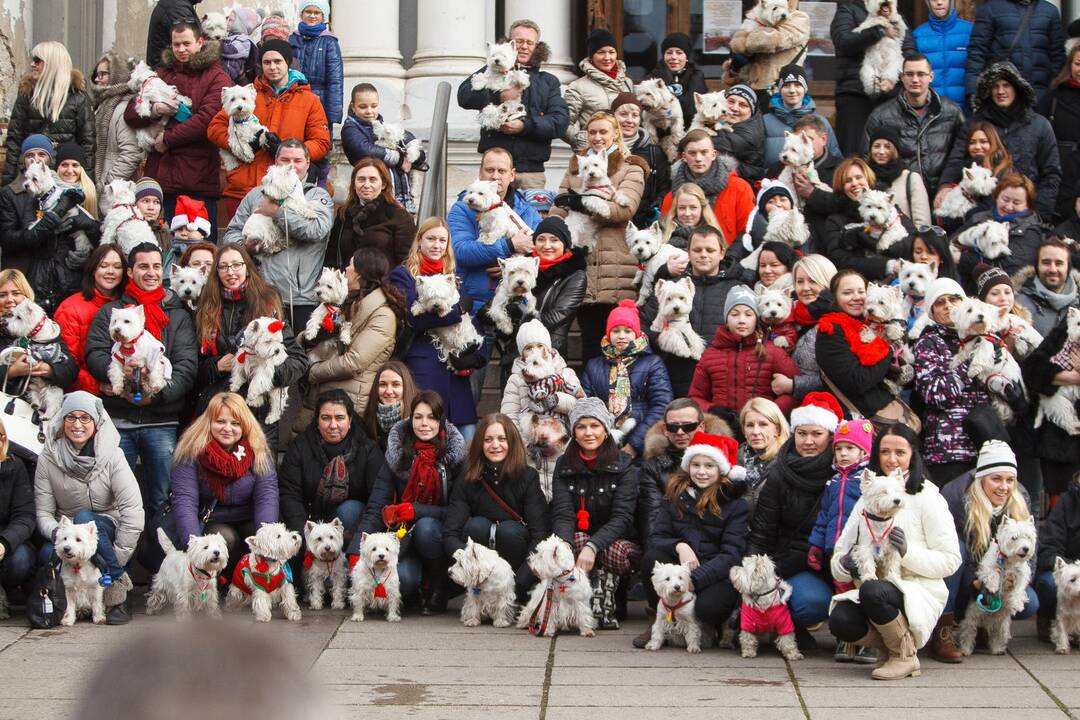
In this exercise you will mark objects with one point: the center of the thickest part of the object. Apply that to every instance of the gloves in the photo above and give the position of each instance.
(75, 223)
(69, 199)
(257, 142)
(272, 142)
(738, 61)
(49, 221)
(469, 359)
(396, 514)
(898, 540)
(569, 201)
(815, 559)
(848, 563)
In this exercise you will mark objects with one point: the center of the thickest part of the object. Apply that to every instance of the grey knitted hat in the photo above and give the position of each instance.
(591, 407)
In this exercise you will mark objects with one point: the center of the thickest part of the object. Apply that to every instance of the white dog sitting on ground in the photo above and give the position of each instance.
(676, 335)
(324, 563)
(562, 599)
(133, 346)
(261, 351)
(765, 609)
(652, 253)
(489, 585)
(375, 583)
(188, 579)
(328, 316)
(247, 135)
(1060, 408)
(675, 617)
(882, 498)
(1067, 620)
(662, 115)
(263, 578)
(517, 282)
(75, 545)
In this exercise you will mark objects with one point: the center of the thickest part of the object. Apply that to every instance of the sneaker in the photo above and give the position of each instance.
(845, 652)
(866, 655)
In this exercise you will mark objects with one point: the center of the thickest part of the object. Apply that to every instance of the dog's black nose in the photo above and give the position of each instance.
(67, 548)
(217, 554)
(896, 501)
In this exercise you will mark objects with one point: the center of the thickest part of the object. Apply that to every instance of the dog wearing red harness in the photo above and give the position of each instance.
(562, 598)
(675, 615)
(138, 349)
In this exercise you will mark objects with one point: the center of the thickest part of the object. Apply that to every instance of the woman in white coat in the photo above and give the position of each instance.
(898, 618)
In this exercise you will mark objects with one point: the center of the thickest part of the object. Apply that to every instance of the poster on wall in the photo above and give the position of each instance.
(719, 21)
(821, 15)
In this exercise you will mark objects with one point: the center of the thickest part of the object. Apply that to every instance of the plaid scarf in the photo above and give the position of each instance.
(619, 392)
(1063, 358)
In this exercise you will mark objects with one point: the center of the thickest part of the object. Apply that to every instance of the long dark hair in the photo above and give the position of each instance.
(916, 470)
(88, 285)
(513, 466)
(605, 454)
(433, 400)
(373, 268)
(408, 392)
(940, 246)
(261, 298)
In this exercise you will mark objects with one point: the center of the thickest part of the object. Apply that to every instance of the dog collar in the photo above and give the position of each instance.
(995, 340)
(40, 324)
(565, 579)
(756, 19)
(775, 588)
(126, 351)
(202, 580)
(886, 226)
(672, 608)
(877, 539)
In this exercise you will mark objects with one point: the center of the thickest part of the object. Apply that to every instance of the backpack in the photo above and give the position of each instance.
(46, 600)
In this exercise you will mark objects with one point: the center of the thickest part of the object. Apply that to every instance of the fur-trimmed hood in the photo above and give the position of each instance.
(1025, 277)
(1002, 70)
(455, 447)
(656, 442)
(207, 57)
(540, 55)
(614, 163)
(78, 83)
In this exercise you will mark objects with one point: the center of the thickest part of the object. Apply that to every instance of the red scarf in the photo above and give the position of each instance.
(870, 353)
(233, 294)
(221, 468)
(589, 462)
(430, 267)
(424, 486)
(613, 72)
(545, 264)
(156, 319)
(801, 314)
(99, 300)
(1073, 82)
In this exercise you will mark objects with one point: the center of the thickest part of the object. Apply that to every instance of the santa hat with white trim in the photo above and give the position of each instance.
(190, 212)
(723, 451)
(818, 408)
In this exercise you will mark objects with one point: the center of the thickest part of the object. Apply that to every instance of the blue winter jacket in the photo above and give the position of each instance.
(358, 141)
(945, 45)
(781, 119)
(1039, 53)
(319, 58)
(836, 502)
(474, 257)
(650, 391)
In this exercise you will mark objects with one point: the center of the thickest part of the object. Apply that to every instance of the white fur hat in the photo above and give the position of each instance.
(939, 288)
(532, 333)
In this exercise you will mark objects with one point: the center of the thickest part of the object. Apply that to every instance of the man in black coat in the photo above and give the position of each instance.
(167, 13)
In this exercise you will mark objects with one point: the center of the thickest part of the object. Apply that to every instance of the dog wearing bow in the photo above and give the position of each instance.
(375, 582)
(324, 563)
(675, 617)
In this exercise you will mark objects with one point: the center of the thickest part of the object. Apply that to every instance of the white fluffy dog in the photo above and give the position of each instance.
(332, 291)
(439, 294)
(880, 218)
(246, 133)
(281, 183)
(28, 322)
(652, 253)
(882, 498)
(1004, 573)
(124, 224)
(132, 345)
(545, 431)
(788, 227)
(499, 72)
(766, 13)
(675, 298)
(914, 280)
(392, 137)
(596, 190)
(711, 113)
(774, 308)
(882, 61)
(990, 239)
(497, 219)
(261, 351)
(1067, 621)
(375, 584)
(764, 607)
(1060, 408)
(215, 26)
(797, 153)
(885, 311)
(489, 585)
(493, 117)
(976, 183)
(324, 563)
(675, 616)
(518, 280)
(75, 545)
(187, 283)
(263, 578)
(662, 115)
(562, 598)
(979, 326)
(44, 184)
(150, 89)
(188, 579)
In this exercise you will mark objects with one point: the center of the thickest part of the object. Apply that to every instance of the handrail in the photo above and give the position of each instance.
(433, 197)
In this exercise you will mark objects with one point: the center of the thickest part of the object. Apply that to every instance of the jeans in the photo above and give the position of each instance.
(234, 534)
(961, 593)
(1046, 590)
(810, 596)
(349, 513)
(714, 604)
(106, 530)
(511, 542)
(467, 432)
(154, 446)
(425, 548)
(18, 566)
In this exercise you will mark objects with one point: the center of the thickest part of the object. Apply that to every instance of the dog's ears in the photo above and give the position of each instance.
(630, 229)
(310, 524)
(865, 480)
(458, 554)
(251, 542)
(65, 521)
(192, 539)
(502, 262)
(363, 537)
(338, 524)
(535, 262)
(655, 227)
(697, 100)
(1059, 562)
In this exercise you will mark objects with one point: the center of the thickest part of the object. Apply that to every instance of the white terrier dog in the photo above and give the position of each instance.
(439, 294)
(652, 253)
(124, 224)
(596, 191)
(1067, 621)
(261, 351)
(884, 310)
(150, 89)
(766, 13)
(493, 117)
(544, 431)
(246, 133)
(132, 345)
(675, 616)
(788, 227)
(44, 184)
(675, 298)
(979, 326)
(75, 545)
(711, 113)
(489, 585)
(392, 137)
(187, 283)
(324, 563)
(28, 322)
(497, 219)
(882, 498)
(662, 115)
(914, 280)
(881, 219)
(518, 280)
(990, 239)
(882, 61)
(774, 308)
(1060, 408)
(1004, 573)
(332, 291)
(764, 607)
(375, 584)
(798, 154)
(263, 578)
(281, 183)
(499, 73)
(562, 598)
(215, 26)
(188, 579)
(976, 183)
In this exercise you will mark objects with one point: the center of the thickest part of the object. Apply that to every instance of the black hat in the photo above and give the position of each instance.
(599, 38)
(792, 74)
(70, 151)
(554, 225)
(676, 40)
(278, 46)
(746, 93)
(886, 132)
(777, 188)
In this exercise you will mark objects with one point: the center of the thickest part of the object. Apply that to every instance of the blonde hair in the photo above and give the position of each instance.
(89, 191)
(195, 439)
(979, 512)
(51, 89)
(708, 217)
(771, 412)
(818, 268)
(412, 261)
(3, 442)
(14, 275)
(610, 119)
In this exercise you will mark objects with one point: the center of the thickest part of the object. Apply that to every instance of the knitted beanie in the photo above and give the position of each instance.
(625, 314)
(70, 151)
(37, 142)
(625, 98)
(554, 225)
(279, 46)
(599, 38)
(275, 26)
(591, 407)
(886, 132)
(746, 93)
(986, 277)
(541, 199)
(82, 401)
(532, 332)
(145, 186)
(995, 456)
(243, 21)
(323, 5)
(818, 408)
(859, 433)
(793, 74)
(740, 295)
(677, 40)
(939, 288)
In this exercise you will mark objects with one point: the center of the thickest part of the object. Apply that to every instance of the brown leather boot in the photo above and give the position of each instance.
(643, 639)
(943, 643)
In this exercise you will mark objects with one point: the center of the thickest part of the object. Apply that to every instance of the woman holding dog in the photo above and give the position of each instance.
(906, 186)
(14, 288)
(1013, 203)
(389, 400)
(898, 617)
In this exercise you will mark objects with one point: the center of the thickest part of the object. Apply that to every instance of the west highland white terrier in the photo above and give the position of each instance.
(662, 115)
(489, 585)
(497, 219)
(124, 224)
(980, 326)
(596, 190)
(282, 184)
(439, 294)
(324, 563)
(263, 578)
(247, 135)
(188, 579)
(882, 497)
(518, 280)
(132, 345)
(675, 299)
(976, 183)
(493, 117)
(989, 239)
(392, 137)
(499, 72)
(882, 61)
(884, 310)
(187, 283)
(765, 609)
(328, 316)
(150, 89)
(652, 253)
(375, 584)
(75, 545)
(215, 26)
(711, 113)
(675, 617)
(914, 280)
(544, 429)
(44, 184)
(1060, 408)
(1067, 621)
(774, 308)
(766, 13)
(38, 340)
(881, 219)
(262, 350)
(562, 600)
(797, 153)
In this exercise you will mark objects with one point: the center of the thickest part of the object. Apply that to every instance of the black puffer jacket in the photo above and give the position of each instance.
(165, 14)
(74, 124)
(1060, 533)
(1039, 370)
(65, 370)
(1061, 106)
(718, 541)
(1039, 52)
(469, 499)
(925, 139)
(657, 180)
(862, 384)
(851, 46)
(683, 85)
(17, 519)
(855, 248)
(746, 143)
(1025, 236)
(546, 119)
(610, 493)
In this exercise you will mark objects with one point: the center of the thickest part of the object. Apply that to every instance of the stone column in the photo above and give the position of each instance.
(368, 33)
(555, 20)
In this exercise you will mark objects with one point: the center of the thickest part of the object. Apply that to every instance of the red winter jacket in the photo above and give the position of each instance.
(74, 317)
(730, 373)
(191, 164)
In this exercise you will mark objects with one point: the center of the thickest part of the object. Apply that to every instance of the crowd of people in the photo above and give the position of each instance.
(632, 449)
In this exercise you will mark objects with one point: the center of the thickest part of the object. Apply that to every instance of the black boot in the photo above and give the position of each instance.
(435, 603)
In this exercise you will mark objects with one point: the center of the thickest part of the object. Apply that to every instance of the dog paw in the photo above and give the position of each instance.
(393, 617)
(99, 619)
(315, 604)
(472, 622)
(1062, 649)
(500, 623)
(654, 644)
(694, 649)
(587, 632)
(794, 656)
(748, 653)
(293, 616)
(357, 617)
(337, 605)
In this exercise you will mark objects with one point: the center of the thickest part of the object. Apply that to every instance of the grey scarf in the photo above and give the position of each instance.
(1058, 301)
(73, 462)
(713, 182)
(388, 415)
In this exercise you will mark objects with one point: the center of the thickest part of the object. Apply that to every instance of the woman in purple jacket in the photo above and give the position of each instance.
(224, 479)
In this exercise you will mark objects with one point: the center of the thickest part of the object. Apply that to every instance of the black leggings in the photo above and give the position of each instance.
(879, 603)
(235, 533)
(714, 604)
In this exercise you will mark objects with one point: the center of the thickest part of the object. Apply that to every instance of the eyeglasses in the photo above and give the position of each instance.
(101, 73)
(685, 427)
(521, 42)
(232, 267)
(918, 75)
(80, 419)
(932, 229)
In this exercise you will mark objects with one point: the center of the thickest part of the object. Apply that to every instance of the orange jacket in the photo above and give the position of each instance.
(732, 207)
(295, 113)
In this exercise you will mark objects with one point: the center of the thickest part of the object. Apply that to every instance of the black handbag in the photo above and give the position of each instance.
(46, 601)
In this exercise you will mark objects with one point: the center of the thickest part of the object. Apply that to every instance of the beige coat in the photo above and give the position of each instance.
(108, 489)
(122, 152)
(917, 207)
(610, 268)
(591, 94)
(770, 48)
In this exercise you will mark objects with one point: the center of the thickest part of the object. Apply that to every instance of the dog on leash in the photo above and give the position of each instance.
(497, 219)
(263, 578)
(328, 316)
(976, 183)
(880, 219)
(675, 298)
(375, 583)
(38, 340)
(262, 350)
(75, 545)
(324, 563)
(187, 283)
(124, 224)
(1004, 573)
(150, 89)
(765, 609)
(562, 600)
(882, 61)
(675, 616)
(517, 282)
(132, 345)
(652, 253)
(247, 135)
(980, 327)
(489, 585)
(439, 294)
(1060, 408)
(1067, 620)
(882, 497)
(188, 579)
(989, 239)
(662, 115)
(44, 184)
(711, 113)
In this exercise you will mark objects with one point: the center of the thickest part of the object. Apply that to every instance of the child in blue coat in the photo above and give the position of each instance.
(317, 54)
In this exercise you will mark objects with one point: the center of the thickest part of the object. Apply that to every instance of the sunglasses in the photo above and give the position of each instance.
(931, 229)
(36, 60)
(685, 427)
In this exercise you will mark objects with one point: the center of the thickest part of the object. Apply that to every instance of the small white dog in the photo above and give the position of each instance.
(884, 309)
(75, 545)
(989, 239)
(187, 283)
(281, 183)
(133, 345)
(1067, 621)
(261, 351)
(596, 191)
(798, 154)
(562, 599)
(215, 26)
(976, 183)
(246, 133)
(263, 578)
(28, 322)
(914, 280)
(497, 219)
(764, 607)
(332, 291)
(188, 579)
(1004, 573)
(44, 184)
(392, 137)
(675, 298)
(711, 113)
(150, 89)
(518, 280)
(766, 13)
(675, 616)
(499, 72)
(439, 294)
(774, 308)
(489, 585)
(324, 563)
(375, 583)
(662, 115)
(882, 498)
(1060, 408)
(652, 253)
(788, 227)
(980, 326)
(493, 117)
(882, 61)
(124, 224)
(880, 218)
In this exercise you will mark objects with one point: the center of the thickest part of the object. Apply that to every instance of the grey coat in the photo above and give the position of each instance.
(1047, 308)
